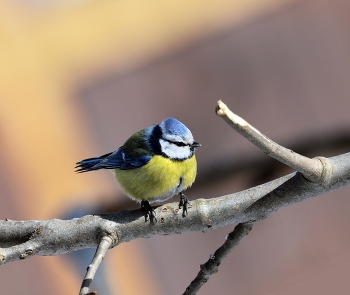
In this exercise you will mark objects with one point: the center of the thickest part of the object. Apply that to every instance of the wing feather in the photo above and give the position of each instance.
(118, 159)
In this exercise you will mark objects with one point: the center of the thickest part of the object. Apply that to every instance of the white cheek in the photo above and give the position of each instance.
(174, 151)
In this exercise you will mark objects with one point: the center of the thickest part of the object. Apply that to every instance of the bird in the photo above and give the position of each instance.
(153, 165)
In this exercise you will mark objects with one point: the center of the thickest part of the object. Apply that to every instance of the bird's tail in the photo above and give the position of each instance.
(90, 164)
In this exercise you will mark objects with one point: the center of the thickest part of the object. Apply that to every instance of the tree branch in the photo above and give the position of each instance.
(23, 239)
(310, 168)
(103, 246)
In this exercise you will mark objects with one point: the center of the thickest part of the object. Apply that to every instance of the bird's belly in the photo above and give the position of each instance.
(158, 180)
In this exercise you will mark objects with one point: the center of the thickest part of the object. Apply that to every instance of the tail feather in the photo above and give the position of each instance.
(90, 164)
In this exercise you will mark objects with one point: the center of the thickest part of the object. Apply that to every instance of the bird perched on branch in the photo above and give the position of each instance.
(153, 165)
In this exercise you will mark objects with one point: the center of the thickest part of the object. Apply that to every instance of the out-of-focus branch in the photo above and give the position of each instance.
(212, 265)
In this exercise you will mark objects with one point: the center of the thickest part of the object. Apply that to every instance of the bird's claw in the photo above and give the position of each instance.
(184, 203)
(150, 213)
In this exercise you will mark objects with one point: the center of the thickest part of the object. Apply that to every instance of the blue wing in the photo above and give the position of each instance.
(117, 159)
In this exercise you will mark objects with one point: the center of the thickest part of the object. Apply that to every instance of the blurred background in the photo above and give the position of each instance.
(78, 77)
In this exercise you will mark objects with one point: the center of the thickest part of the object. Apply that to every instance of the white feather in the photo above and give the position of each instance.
(175, 152)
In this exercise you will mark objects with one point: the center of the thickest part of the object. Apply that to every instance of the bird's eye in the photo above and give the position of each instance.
(180, 143)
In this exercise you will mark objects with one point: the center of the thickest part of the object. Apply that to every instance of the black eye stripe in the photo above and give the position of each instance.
(177, 143)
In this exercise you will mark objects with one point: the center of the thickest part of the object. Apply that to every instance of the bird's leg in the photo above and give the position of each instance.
(184, 203)
(150, 213)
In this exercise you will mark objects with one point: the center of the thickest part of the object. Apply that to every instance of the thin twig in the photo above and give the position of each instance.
(310, 168)
(212, 265)
(103, 246)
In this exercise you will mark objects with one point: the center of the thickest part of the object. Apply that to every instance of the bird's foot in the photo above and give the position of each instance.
(184, 203)
(150, 213)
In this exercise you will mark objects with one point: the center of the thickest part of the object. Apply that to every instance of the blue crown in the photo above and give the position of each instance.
(175, 127)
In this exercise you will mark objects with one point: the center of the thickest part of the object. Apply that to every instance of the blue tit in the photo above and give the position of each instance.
(153, 165)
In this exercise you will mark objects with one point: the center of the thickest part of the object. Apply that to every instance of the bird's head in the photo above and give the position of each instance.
(171, 139)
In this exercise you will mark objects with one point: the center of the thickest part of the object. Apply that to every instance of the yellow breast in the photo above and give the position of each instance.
(159, 179)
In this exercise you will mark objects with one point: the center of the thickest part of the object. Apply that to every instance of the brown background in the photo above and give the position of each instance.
(77, 78)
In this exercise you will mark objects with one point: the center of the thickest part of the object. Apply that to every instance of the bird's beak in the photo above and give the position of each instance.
(195, 144)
